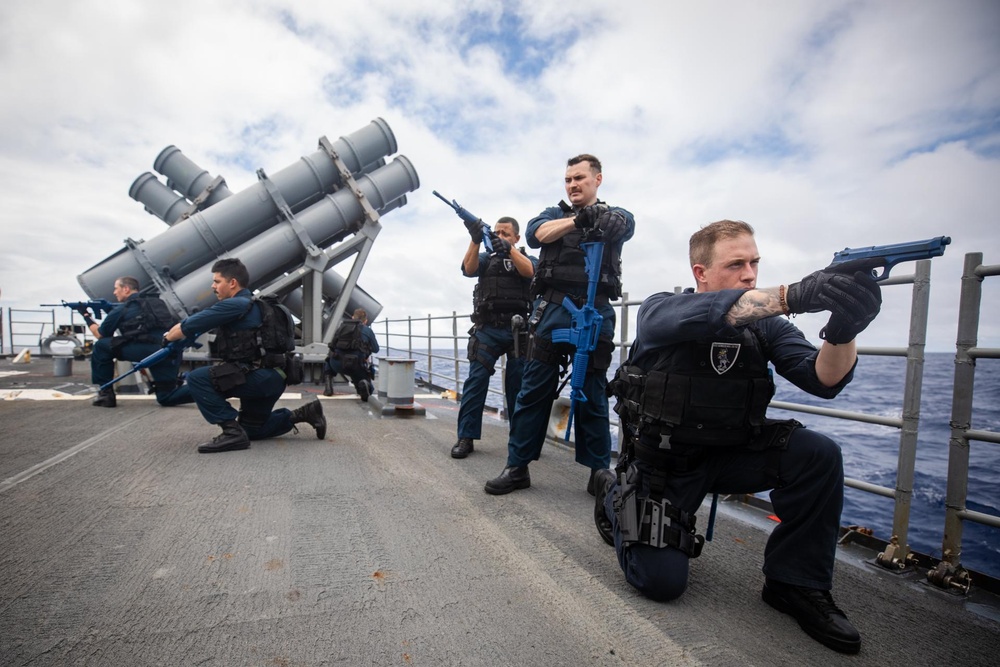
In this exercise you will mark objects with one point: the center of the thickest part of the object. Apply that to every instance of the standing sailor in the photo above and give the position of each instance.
(561, 272)
(500, 304)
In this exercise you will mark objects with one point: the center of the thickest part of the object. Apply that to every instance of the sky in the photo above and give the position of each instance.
(824, 124)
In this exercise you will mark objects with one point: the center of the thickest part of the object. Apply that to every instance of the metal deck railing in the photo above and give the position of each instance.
(401, 334)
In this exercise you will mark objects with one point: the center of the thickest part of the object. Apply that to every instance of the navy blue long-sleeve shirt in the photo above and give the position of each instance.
(666, 319)
(558, 213)
(227, 311)
(369, 336)
(127, 309)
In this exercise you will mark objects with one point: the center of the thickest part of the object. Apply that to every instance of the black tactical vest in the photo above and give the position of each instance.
(348, 339)
(500, 294)
(265, 345)
(562, 266)
(145, 321)
(697, 394)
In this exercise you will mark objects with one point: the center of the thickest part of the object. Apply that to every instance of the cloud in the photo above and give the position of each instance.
(823, 124)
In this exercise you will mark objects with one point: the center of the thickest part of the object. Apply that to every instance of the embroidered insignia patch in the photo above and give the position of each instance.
(508, 265)
(724, 356)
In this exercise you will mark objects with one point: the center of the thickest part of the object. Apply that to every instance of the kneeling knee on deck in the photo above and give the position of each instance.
(659, 574)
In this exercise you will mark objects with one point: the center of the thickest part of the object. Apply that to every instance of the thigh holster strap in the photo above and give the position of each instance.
(656, 523)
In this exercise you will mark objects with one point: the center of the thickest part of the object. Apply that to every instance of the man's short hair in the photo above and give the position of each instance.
(702, 245)
(129, 282)
(360, 314)
(595, 164)
(507, 220)
(230, 268)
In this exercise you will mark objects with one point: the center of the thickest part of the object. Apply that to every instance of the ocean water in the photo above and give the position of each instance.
(871, 451)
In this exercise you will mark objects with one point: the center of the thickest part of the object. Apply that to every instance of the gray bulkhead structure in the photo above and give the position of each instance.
(290, 229)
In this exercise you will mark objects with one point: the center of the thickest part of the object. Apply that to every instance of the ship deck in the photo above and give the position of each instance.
(121, 545)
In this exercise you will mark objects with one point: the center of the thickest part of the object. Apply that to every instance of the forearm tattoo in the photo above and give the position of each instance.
(755, 304)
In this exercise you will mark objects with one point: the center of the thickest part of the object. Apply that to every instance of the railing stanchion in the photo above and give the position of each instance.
(454, 344)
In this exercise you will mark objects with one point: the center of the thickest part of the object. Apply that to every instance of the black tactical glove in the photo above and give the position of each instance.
(809, 294)
(856, 301)
(613, 226)
(840, 330)
(501, 247)
(854, 296)
(475, 231)
(587, 217)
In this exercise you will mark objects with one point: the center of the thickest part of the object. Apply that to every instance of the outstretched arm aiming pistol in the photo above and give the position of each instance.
(848, 287)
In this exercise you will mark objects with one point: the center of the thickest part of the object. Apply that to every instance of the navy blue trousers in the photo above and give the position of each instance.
(360, 371)
(257, 397)
(102, 365)
(489, 343)
(801, 549)
(539, 384)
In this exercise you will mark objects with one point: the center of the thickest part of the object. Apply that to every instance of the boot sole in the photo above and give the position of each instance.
(215, 450)
(779, 603)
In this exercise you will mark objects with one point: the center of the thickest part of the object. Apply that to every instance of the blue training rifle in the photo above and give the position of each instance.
(83, 307)
(886, 257)
(584, 329)
(470, 218)
(173, 348)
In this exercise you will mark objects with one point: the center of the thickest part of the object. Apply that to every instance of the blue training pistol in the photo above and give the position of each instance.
(886, 257)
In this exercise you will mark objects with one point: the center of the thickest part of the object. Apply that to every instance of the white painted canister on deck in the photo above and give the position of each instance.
(382, 379)
(399, 381)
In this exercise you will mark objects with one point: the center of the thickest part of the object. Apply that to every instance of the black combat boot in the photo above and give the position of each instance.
(363, 391)
(816, 613)
(312, 414)
(328, 389)
(511, 479)
(106, 398)
(603, 481)
(462, 448)
(232, 438)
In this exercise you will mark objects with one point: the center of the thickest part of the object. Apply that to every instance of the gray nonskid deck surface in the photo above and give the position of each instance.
(374, 547)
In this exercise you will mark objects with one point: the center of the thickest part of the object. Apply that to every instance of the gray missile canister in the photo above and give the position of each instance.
(281, 249)
(198, 240)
